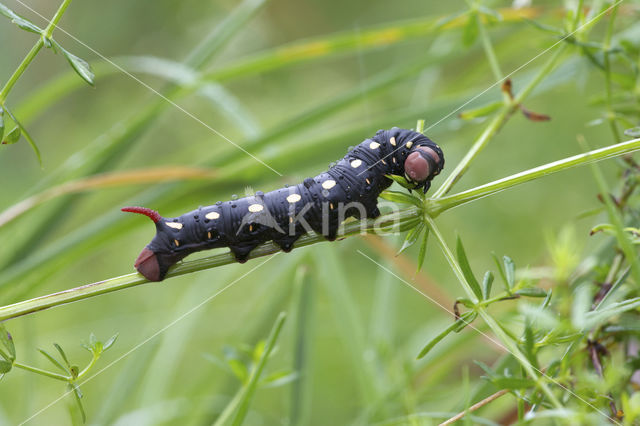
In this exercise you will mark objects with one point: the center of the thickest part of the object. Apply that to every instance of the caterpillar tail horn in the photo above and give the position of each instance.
(147, 262)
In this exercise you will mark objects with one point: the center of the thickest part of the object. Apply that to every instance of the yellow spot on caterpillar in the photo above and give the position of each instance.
(383, 162)
(409, 144)
(374, 145)
(331, 206)
(177, 243)
(356, 163)
(212, 215)
(328, 184)
(368, 181)
(294, 198)
(250, 228)
(393, 159)
(174, 225)
(392, 141)
(290, 219)
(209, 235)
(255, 208)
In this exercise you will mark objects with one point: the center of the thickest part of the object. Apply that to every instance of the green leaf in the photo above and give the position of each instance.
(466, 269)
(471, 30)
(5, 366)
(501, 272)
(532, 292)
(401, 197)
(26, 135)
(544, 27)
(595, 318)
(79, 65)
(634, 132)
(1, 124)
(110, 342)
(13, 136)
(62, 354)
(481, 111)
(54, 361)
(7, 342)
(487, 281)
(412, 237)
(21, 22)
(510, 271)
(464, 320)
(423, 249)
(492, 15)
(279, 378)
(238, 369)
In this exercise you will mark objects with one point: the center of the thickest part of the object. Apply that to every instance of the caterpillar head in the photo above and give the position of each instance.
(423, 164)
(154, 260)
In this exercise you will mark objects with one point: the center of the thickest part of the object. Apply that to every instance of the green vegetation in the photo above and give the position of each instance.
(397, 329)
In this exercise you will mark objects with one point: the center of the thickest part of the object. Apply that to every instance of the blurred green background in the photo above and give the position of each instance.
(358, 327)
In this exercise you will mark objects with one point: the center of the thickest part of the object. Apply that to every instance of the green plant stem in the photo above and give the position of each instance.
(489, 51)
(41, 372)
(510, 345)
(495, 125)
(46, 33)
(611, 115)
(405, 218)
(402, 220)
(436, 206)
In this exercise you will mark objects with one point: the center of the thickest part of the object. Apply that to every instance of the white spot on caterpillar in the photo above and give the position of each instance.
(368, 181)
(328, 184)
(174, 225)
(409, 144)
(374, 145)
(356, 163)
(393, 159)
(255, 208)
(212, 215)
(392, 141)
(294, 198)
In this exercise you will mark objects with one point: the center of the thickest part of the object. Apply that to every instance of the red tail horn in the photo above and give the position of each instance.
(151, 214)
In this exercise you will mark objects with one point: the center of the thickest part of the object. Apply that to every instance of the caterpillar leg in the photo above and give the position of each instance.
(241, 253)
(286, 243)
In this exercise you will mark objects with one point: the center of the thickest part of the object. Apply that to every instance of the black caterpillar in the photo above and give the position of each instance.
(350, 188)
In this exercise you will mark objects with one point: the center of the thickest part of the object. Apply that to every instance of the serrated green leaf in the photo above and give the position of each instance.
(532, 292)
(62, 354)
(79, 65)
(423, 249)
(21, 22)
(401, 197)
(5, 366)
(412, 237)
(510, 271)
(466, 269)
(464, 319)
(110, 342)
(7, 342)
(54, 361)
(634, 132)
(487, 281)
(481, 111)
(13, 136)
(471, 30)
